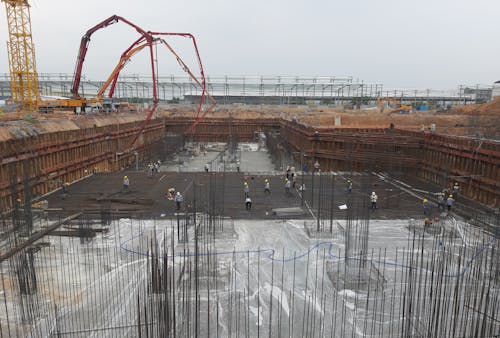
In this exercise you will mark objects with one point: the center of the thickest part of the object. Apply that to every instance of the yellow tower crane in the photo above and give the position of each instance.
(22, 63)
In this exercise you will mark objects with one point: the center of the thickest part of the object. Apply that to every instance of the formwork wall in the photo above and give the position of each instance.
(54, 152)
(473, 163)
(219, 129)
(61, 152)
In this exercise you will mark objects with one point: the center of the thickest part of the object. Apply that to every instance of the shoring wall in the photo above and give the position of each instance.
(473, 163)
(65, 151)
(60, 153)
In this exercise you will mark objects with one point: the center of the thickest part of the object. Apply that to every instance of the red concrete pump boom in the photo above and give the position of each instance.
(146, 39)
(84, 46)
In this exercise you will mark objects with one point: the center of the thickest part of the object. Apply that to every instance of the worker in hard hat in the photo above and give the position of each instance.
(374, 199)
(440, 201)
(207, 167)
(349, 185)
(288, 184)
(126, 183)
(248, 203)
(170, 194)
(456, 190)
(449, 202)
(246, 189)
(427, 222)
(65, 188)
(178, 200)
(425, 206)
(267, 186)
(150, 170)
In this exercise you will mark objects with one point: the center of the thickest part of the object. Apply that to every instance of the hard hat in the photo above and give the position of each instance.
(178, 193)
(425, 200)
(266, 180)
(125, 176)
(67, 183)
(451, 196)
(245, 183)
(373, 192)
(19, 200)
(426, 219)
(286, 179)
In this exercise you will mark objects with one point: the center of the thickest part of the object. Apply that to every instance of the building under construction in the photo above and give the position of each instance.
(304, 218)
(81, 256)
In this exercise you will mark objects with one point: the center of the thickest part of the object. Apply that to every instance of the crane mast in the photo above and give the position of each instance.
(22, 62)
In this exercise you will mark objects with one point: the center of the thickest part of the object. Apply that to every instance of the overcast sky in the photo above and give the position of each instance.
(435, 44)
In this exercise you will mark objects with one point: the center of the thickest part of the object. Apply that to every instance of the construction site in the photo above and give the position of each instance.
(202, 210)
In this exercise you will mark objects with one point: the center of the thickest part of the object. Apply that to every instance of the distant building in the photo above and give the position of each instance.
(479, 95)
(496, 90)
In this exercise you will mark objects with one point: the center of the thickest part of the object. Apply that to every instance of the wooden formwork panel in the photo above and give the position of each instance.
(66, 156)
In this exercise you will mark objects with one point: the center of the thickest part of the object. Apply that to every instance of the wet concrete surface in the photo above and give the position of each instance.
(220, 191)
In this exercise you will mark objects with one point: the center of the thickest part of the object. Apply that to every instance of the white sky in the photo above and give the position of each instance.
(435, 44)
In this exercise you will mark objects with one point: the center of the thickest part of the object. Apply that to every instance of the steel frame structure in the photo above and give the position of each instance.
(23, 75)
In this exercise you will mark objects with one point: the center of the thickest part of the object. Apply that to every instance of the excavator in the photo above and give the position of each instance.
(392, 105)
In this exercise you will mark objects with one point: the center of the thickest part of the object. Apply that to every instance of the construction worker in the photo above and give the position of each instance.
(441, 201)
(294, 179)
(178, 200)
(150, 170)
(246, 189)
(126, 183)
(65, 188)
(427, 222)
(374, 199)
(267, 186)
(170, 194)
(425, 205)
(316, 166)
(456, 190)
(248, 203)
(349, 185)
(288, 184)
(449, 202)
(206, 167)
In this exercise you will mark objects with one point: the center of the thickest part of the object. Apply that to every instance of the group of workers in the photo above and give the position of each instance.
(170, 195)
(154, 168)
(445, 199)
(289, 183)
(175, 196)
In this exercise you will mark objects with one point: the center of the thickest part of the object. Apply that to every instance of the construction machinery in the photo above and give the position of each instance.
(392, 105)
(22, 64)
(24, 77)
